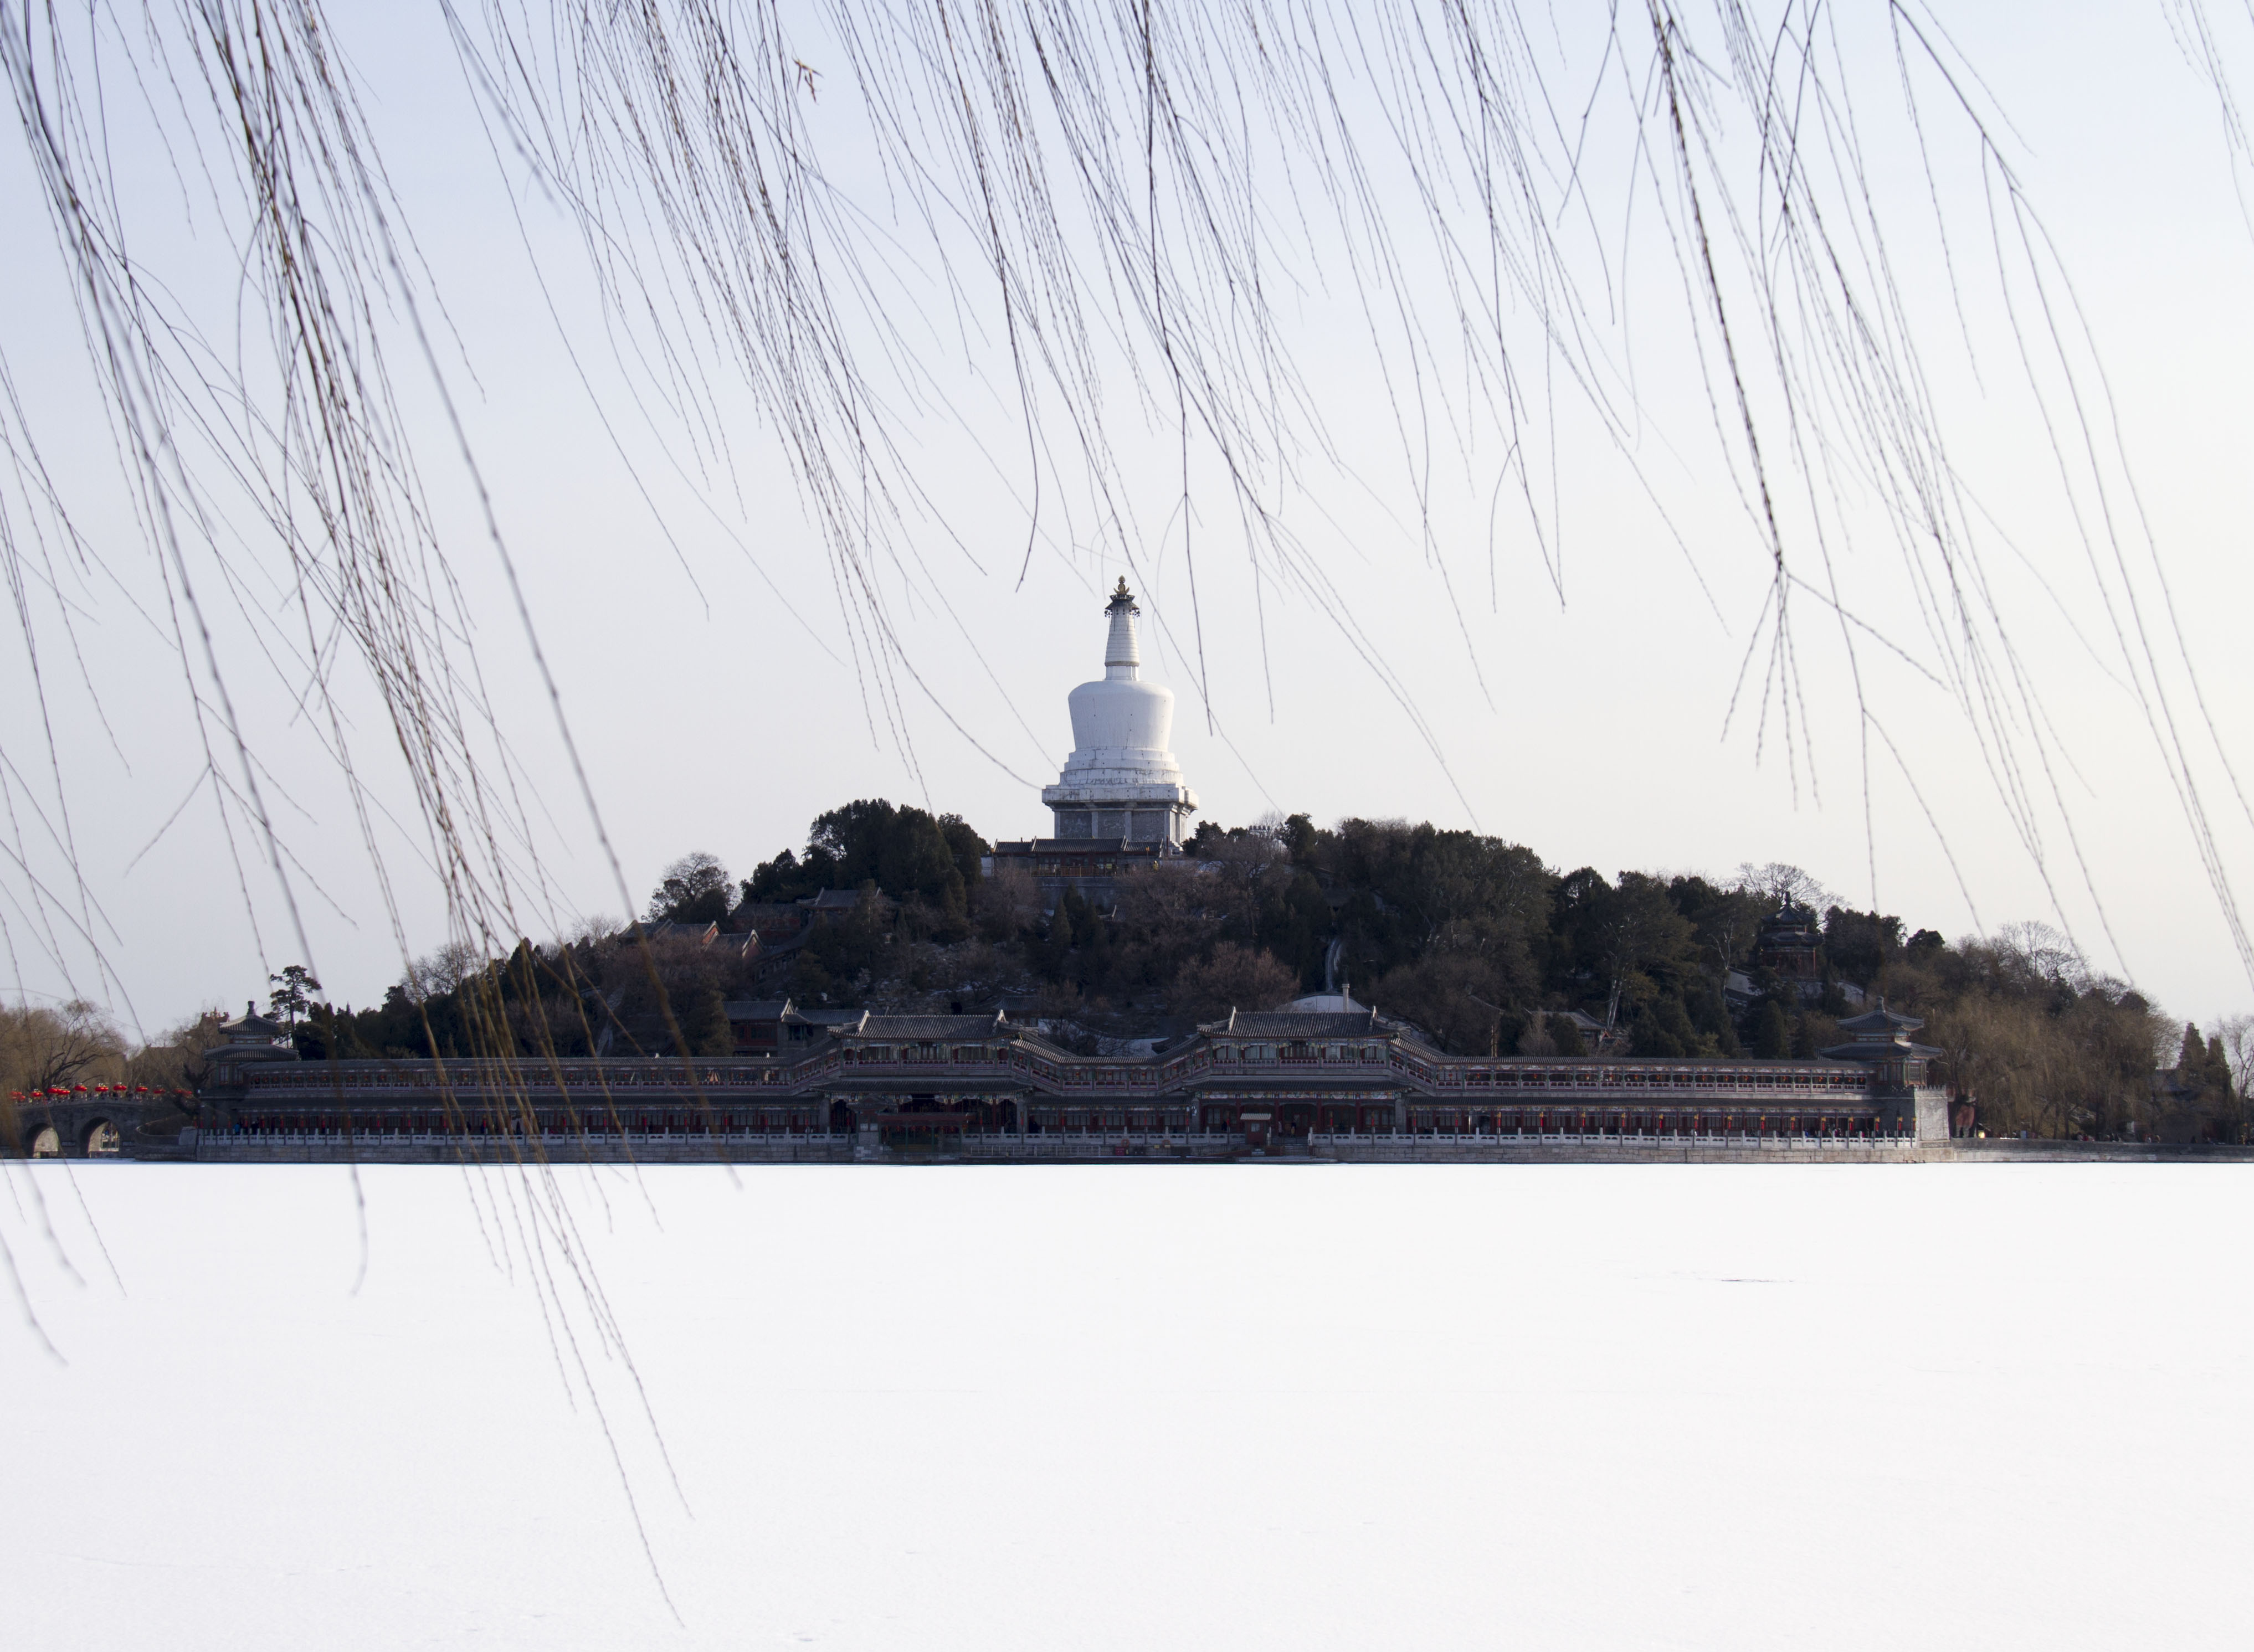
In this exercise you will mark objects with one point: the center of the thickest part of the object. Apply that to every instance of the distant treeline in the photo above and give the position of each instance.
(1473, 939)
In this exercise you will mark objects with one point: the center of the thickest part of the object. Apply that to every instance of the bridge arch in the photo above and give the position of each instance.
(46, 1143)
(102, 1139)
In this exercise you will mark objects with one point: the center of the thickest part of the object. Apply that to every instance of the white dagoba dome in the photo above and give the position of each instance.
(1121, 780)
(1122, 725)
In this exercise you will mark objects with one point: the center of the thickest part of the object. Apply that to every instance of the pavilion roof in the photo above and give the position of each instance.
(1881, 1023)
(253, 1027)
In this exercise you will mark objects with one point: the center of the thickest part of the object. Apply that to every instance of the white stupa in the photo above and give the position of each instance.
(1120, 780)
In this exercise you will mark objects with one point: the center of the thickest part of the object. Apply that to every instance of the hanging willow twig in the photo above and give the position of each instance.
(1128, 197)
(1123, 189)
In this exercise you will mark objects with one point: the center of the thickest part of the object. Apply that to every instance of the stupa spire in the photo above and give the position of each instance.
(1123, 656)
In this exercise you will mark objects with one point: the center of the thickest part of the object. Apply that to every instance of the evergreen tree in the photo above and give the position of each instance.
(705, 1024)
(1079, 918)
(1709, 1016)
(967, 846)
(1772, 1032)
(1859, 944)
(1663, 1030)
(1049, 949)
(787, 877)
(292, 993)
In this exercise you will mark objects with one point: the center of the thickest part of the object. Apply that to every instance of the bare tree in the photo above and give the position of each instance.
(2032, 1058)
(1006, 905)
(1234, 978)
(2036, 952)
(1167, 914)
(696, 883)
(174, 1059)
(1778, 881)
(2235, 1033)
(41, 1048)
(443, 970)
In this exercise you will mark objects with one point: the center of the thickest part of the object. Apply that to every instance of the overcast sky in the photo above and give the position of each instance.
(1577, 686)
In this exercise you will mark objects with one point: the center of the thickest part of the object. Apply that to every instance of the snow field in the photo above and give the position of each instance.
(1134, 1406)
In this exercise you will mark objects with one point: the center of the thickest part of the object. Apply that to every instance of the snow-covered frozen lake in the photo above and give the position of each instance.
(1141, 1406)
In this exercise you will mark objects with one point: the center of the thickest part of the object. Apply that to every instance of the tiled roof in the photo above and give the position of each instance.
(1287, 1024)
(935, 1027)
(1882, 1022)
(1874, 1050)
(253, 1026)
(850, 1019)
(667, 929)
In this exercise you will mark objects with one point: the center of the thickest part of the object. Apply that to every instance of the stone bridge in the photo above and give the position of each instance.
(91, 1125)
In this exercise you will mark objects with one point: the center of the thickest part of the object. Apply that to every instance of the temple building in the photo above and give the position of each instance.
(1881, 1041)
(1121, 800)
(861, 1085)
(1790, 941)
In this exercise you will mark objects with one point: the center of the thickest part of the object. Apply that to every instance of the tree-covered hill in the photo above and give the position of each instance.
(1473, 939)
